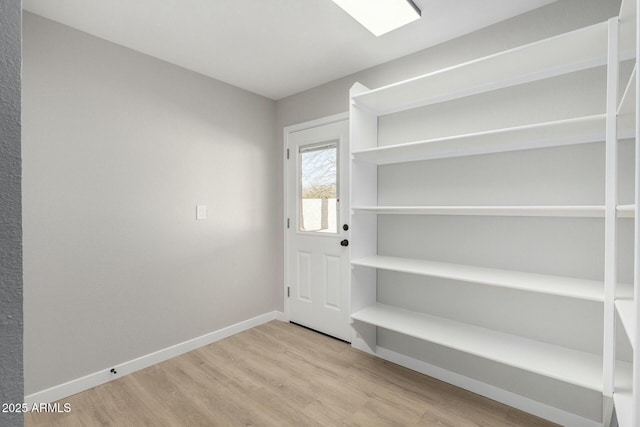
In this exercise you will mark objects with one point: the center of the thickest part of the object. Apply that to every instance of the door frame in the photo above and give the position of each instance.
(288, 130)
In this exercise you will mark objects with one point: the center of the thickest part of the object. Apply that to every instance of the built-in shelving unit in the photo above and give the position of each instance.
(604, 44)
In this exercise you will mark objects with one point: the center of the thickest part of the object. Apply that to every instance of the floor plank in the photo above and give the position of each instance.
(280, 374)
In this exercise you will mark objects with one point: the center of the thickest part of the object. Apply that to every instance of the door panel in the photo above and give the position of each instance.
(304, 276)
(317, 203)
(332, 282)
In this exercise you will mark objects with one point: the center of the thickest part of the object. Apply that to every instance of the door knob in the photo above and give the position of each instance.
(345, 242)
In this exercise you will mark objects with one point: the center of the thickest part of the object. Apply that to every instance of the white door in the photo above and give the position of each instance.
(317, 236)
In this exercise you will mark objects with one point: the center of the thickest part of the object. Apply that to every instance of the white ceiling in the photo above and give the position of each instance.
(271, 47)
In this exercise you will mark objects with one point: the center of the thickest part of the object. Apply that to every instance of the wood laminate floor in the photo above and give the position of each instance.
(280, 374)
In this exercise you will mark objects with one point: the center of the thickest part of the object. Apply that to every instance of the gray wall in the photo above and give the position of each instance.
(119, 148)
(11, 384)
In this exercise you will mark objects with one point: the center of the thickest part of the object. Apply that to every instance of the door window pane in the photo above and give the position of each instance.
(318, 192)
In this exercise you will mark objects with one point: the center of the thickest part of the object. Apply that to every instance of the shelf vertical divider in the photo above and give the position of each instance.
(635, 390)
(611, 196)
(364, 228)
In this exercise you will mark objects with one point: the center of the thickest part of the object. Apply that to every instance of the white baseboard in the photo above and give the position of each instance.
(92, 380)
(281, 316)
(525, 404)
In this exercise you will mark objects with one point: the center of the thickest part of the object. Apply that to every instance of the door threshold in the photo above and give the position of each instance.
(319, 332)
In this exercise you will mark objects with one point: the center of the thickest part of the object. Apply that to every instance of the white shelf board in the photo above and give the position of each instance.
(628, 101)
(550, 211)
(627, 12)
(560, 363)
(623, 395)
(626, 211)
(539, 135)
(625, 308)
(569, 52)
(622, 399)
(627, 17)
(554, 285)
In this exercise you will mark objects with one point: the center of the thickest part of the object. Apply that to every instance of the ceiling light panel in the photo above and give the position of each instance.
(381, 16)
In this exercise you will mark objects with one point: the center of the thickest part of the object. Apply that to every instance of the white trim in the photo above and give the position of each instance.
(285, 177)
(315, 123)
(281, 316)
(522, 403)
(97, 378)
